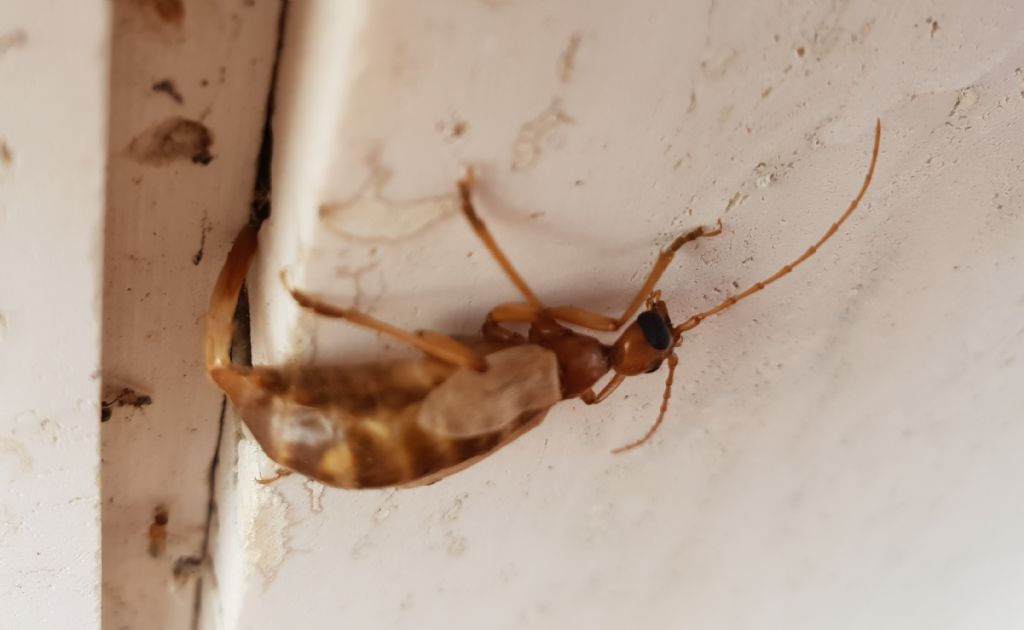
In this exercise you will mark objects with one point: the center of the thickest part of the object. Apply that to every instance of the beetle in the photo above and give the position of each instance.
(415, 421)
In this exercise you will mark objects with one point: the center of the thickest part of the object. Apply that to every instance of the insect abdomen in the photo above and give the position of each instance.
(376, 454)
(370, 457)
(371, 440)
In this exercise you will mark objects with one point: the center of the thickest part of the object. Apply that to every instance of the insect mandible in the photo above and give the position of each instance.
(415, 421)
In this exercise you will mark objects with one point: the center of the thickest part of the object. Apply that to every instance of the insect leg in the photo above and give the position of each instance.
(237, 381)
(493, 331)
(280, 474)
(595, 321)
(511, 313)
(469, 211)
(514, 313)
(571, 314)
(433, 344)
(695, 320)
(220, 317)
(590, 398)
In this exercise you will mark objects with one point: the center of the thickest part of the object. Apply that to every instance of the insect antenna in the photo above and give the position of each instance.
(672, 362)
(695, 320)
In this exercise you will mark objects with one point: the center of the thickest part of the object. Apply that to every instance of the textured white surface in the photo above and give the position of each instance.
(53, 81)
(187, 66)
(842, 450)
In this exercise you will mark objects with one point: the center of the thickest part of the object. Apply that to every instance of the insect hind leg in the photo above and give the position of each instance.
(432, 344)
(221, 313)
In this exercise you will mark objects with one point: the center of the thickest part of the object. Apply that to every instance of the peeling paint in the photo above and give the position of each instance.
(567, 60)
(716, 65)
(370, 216)
(50, 429)
(17, 456)
(538, 135)
(11, 523)
(456, 546)
(452, 513)
(735, 201)
(263, 519)
(966, 100)
(361, 547)
(315, 490)
(382, 513)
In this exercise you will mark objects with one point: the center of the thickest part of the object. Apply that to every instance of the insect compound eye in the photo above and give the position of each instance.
(655, 330)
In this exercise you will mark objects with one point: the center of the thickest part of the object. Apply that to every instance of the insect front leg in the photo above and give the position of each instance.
(596, 321)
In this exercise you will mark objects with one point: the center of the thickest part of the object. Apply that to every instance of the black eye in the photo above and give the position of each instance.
(655, 330)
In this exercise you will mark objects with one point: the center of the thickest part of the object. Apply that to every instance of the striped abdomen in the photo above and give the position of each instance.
(363, 426)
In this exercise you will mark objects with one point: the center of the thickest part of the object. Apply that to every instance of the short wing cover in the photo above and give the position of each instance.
(469, 403)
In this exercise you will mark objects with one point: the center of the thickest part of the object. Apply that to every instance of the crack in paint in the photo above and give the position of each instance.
(259, 211)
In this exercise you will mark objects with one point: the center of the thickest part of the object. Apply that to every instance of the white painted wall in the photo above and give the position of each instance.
(53, 114)
(842, 450)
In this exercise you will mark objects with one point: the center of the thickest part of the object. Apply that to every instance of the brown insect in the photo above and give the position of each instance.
(415, 421)
(157, 534)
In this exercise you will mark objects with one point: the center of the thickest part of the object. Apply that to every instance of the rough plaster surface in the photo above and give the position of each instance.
(842, 450)
(52, 158)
